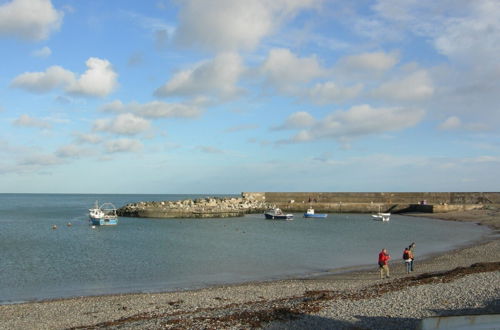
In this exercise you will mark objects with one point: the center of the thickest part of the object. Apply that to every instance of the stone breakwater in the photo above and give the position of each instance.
(210, 207)
(322, 202)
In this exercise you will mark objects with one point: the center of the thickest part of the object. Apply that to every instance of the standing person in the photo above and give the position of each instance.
(407, 257)
(383, 258)
(412, 257)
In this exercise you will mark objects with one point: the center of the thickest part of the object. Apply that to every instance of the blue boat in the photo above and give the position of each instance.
(104, 215)
(310, 214)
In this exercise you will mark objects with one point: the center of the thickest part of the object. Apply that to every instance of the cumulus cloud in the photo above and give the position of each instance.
(455, 123)
(285, 70)
(451, 123)
(215, 77)
(31, 20)
(88, 138)
(329, 92)
(414, 87)
(297, 120)
(71, 151)
(233, 25)
(98, 80)
(125, 124)
(27, 121)
(376, 62)
(462, 30)
(40, 160)
(42, 52)
(155, 109)
(41, 82)
(123, 145)
(359, 121)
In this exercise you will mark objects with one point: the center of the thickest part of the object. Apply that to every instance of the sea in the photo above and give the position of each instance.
(38, 262)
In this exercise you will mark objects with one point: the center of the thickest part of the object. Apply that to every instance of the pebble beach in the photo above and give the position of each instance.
(464, 281)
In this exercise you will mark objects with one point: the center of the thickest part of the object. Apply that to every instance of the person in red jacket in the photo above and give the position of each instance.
(383, 258)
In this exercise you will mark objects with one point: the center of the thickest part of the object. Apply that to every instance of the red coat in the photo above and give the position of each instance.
(383, 258)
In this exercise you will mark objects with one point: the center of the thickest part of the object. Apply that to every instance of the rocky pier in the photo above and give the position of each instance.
(324, 202)
(210, 207)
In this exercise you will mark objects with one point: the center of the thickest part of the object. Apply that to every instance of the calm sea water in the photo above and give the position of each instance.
(147, 255)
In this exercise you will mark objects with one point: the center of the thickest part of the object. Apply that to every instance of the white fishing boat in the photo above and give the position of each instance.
(104, 215)
(381, 216)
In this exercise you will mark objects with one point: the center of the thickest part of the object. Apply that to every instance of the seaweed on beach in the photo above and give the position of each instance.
(255, 314)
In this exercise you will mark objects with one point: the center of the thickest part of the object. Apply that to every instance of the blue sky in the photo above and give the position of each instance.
(226, 96)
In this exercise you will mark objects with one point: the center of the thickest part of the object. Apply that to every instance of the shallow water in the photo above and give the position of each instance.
(144, 255)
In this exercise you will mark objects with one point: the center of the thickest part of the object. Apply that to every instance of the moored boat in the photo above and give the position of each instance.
(103, 215)
(381, 216)
(277, 214)
(310, 214)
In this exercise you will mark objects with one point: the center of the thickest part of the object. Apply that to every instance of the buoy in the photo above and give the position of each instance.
(54, 227)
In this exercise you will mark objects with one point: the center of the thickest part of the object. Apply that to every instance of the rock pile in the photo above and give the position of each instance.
(210, 207)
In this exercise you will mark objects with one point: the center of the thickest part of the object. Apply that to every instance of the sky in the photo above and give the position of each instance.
(226, 96)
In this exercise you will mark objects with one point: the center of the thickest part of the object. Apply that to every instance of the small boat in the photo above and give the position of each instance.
(380, 216)
(310, 214)
(277, 214)
(103, 215)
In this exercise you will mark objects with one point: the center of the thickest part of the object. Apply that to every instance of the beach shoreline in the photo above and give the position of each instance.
(293, 303)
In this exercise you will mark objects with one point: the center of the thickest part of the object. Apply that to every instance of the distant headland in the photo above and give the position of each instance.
(329, 202)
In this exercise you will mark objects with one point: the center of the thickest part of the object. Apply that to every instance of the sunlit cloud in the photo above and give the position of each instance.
(98, 80)
(32, 20)
(125, 124)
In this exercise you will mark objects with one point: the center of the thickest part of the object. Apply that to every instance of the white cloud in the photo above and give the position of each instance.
(98, 80)
(71, 151)
(155, 109)
(285, 70)
(88, 138)
(27, 121)
(414, 87)
(455, 123)
(37, 160)
(42, 52)
(360, 121)
(299, 119)
(329, 92)
(234, 25)
(29, 19)
(217, 77)
(40, 82)
(462, 30)
(126, 124)
(451, 123)
(376, 62)
(123, 145)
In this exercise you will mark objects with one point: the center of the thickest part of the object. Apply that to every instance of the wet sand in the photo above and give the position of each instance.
(464, 281)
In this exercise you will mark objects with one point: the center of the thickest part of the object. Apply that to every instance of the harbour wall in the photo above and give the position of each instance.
(367, 202)
(324, 202)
